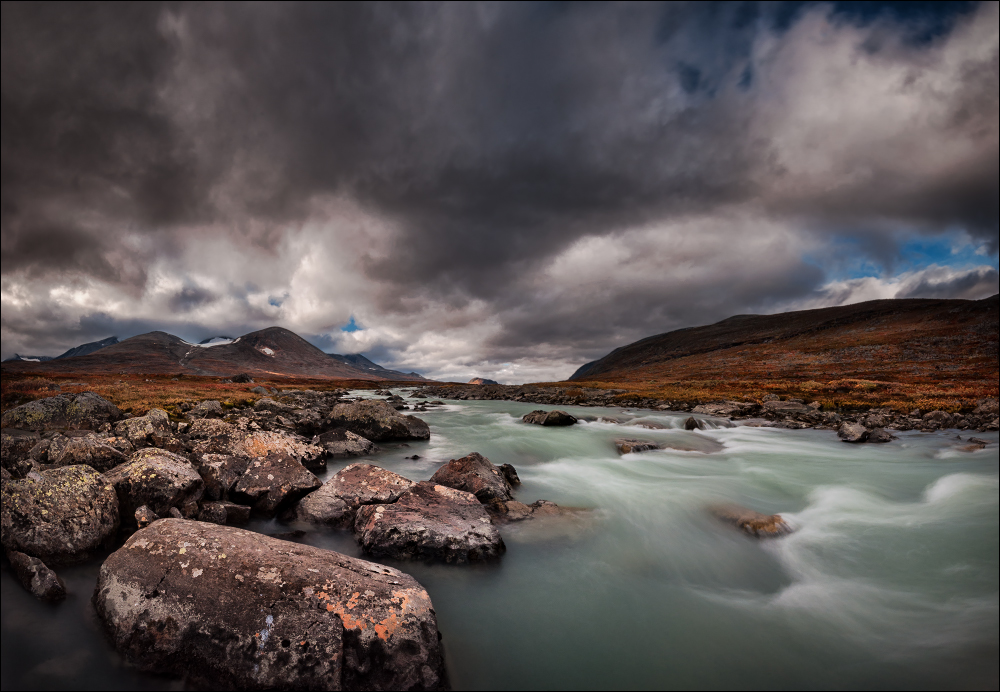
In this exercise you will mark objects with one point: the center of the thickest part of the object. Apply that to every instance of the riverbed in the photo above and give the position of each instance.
(891, 578)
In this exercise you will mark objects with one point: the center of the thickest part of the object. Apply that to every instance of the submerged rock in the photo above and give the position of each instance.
(274, 481)
(377, 421)
(60, 515)
(37, 577)
(632, 446)
(232, 609)
(158, 479)
(86, 411)
(353, 486)
(693, 423)
(429, 521)
(751, 522)
(550, 418)
(343, 444)
(477, 475)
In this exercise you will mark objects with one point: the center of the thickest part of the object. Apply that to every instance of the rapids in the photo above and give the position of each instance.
(890, 579)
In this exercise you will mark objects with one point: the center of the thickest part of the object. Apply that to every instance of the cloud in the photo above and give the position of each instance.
(495, 190)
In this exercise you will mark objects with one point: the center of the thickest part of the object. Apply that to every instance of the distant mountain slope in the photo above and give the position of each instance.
(87, 349)
(29, 359)
(881, 339)
(269, 352)
(356, 360)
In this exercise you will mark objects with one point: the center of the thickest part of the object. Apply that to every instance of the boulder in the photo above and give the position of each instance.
(242, 378)
(429, 521)
(510, 473)
(15, 451)
(552, 418)
(259, 390)
(259, 444)
(207, 428)
(987, 407)
(940, 419)
(213, 512)
(337, 501)
(728, 409)
(86, 411)
(269, 405)
(37, 577)
(753, 523)
(207, 409)
(61, 515)
(92, 452)
(232, 609)
(377, 421)
(342, 444)
(853, 432)
(276, 480)
(477, 475)
(693, 423)
(220, 473)
(880, 435)
(630, 446)
(155, 478)
(151, 430)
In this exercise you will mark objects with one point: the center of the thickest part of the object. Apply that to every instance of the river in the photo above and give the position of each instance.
(890, 580)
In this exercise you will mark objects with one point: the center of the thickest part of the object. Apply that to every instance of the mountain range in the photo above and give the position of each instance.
(274, 352)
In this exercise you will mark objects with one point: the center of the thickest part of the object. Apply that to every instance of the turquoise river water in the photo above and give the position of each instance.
(890, 580)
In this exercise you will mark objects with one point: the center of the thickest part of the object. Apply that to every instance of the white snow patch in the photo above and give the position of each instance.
(266, 351)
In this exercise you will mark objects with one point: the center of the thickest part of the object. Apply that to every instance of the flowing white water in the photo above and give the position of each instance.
(889, 581)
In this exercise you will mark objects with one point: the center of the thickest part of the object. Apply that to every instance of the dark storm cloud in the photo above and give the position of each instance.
(493, 138)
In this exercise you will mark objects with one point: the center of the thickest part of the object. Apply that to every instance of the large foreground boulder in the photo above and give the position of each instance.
(336, 503)
(477, 475)
(550, 418)
(157, 479)
(61, 515)
(272, 482)
(86, 411)
(231, 609)
(377, 421)
(429, 522)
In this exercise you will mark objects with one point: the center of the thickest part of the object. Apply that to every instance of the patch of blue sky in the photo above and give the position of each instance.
(351, 326)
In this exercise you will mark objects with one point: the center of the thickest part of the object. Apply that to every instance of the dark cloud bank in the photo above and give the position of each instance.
(503, 190)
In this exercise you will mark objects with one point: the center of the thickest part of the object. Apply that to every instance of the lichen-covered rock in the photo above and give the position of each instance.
(207, 409)
(377, 421)
(549, 418)
(429, 521)
(477, 475)
(86, 411)
(91, 451)
(37, 577)
(853, 432)
(232, 609)
(213, 512)
(753, 523)
(220, 473)
(274, 481)
(343, 444)
(60, 515)
(15, 451)
(157, 479)
(625, 446)
(153, 429)
(235, 441)
(353, 486)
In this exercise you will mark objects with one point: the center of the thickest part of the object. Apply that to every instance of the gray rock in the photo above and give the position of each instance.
(220, 473)
(60, 515)
(343, 444)
(15, 453)
(259, 390)
(232, 609)
(269, 405)
(941, 419)
(86, 411)
(37, 577)
(853, 432)
(549, 418)
(880, 435)
(157, 479)
(377, 421)
(429, 521)
(272, 482)
(625, 446)
(336, 503)
(151, 430)
(477, 475)
(92, 452)
(207, 409)
(987, 407)
(786, 407)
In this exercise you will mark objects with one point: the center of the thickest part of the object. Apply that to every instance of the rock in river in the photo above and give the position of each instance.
(341, 444)
(158, 479)
(358, 484)
(477, 475)
(377, 421)
(61, 515)
(631, 446)
(228, 608)
(853, 432)
(550, 418)
(429, 521)
(86, 411)
(751, 522)
(36, 577)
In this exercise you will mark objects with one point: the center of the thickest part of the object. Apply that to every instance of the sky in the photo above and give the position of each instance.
(501, 190)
